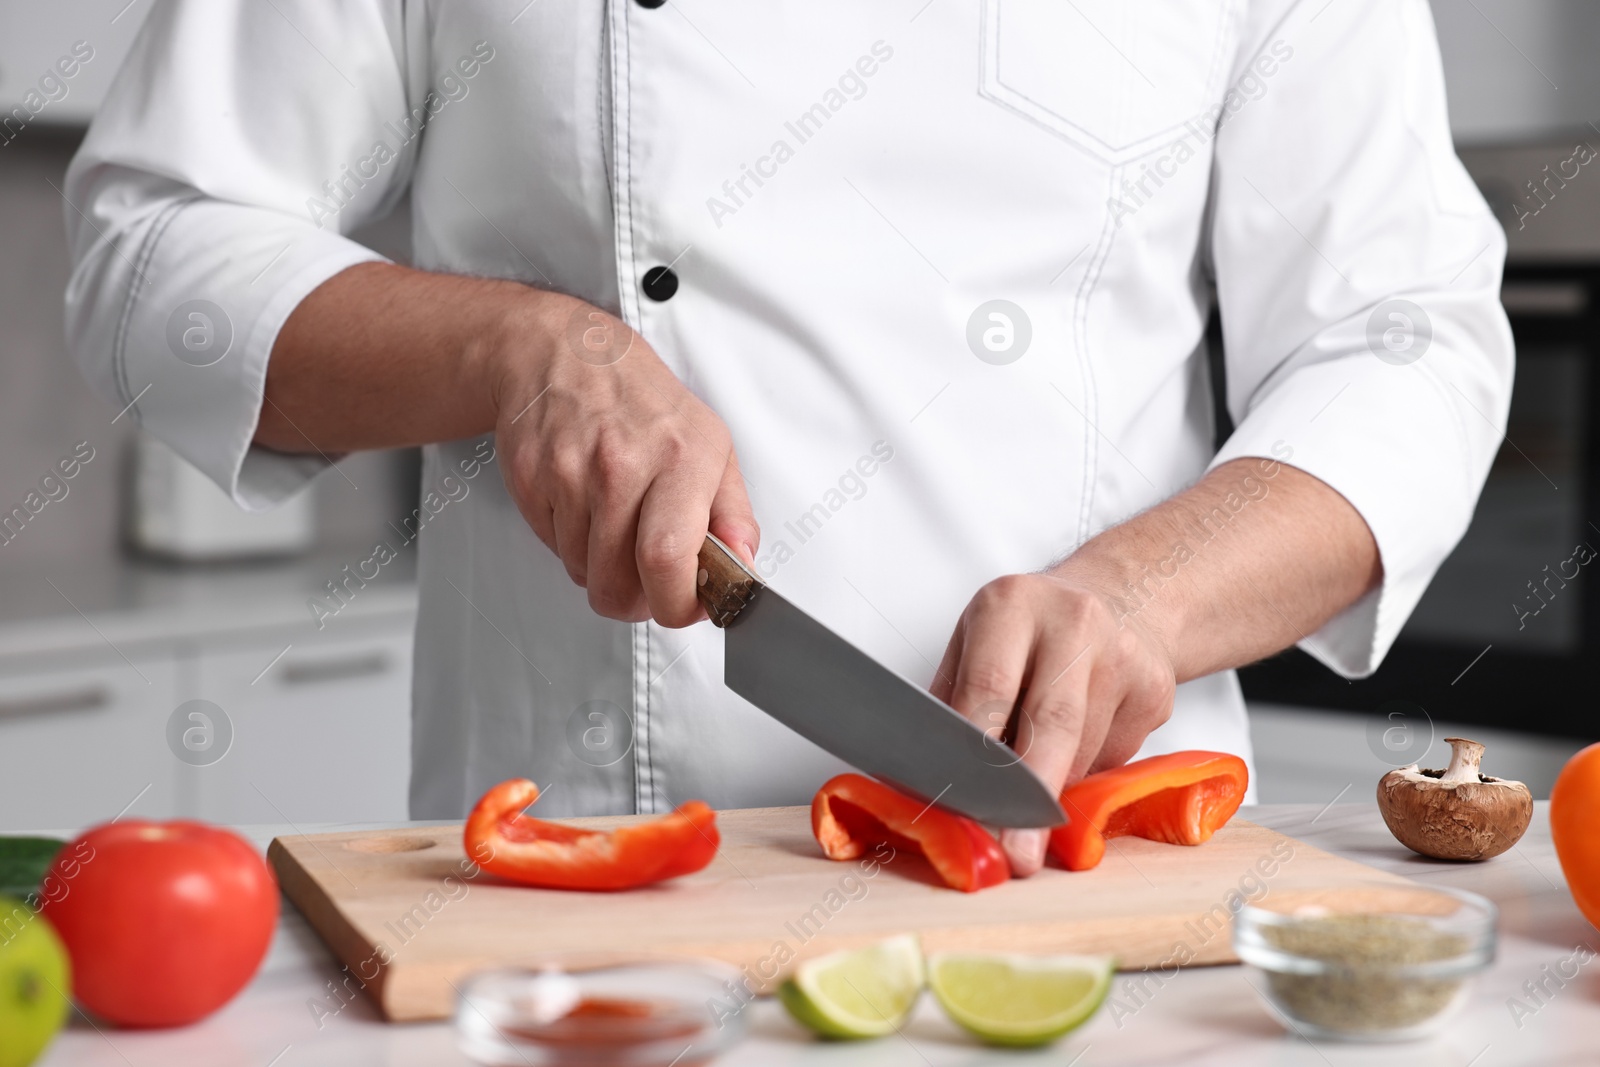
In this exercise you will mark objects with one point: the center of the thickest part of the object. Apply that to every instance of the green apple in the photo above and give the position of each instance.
(34, 981)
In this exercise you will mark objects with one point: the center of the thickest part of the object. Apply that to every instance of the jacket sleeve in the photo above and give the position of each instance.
(1358, 275)
(238, 144)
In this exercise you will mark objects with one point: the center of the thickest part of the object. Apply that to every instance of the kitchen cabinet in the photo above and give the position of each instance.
(324, 734)
(80, 744)
(100, 666)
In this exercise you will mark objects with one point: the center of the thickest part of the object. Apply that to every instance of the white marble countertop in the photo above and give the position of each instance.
(1206, 1015)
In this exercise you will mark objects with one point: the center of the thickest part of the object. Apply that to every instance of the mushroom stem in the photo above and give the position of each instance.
(1464, 758)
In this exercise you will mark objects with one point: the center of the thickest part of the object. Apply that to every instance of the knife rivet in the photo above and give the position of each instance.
(703, 577)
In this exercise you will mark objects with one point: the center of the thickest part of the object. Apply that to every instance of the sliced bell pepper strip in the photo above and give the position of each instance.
(1180, 798)
(852, 813)
(503, 841)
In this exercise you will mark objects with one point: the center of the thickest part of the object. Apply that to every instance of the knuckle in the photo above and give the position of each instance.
(986, 680)
(660, 556)
(615, 460)
(673, 448)
(1080, 603)
(1056, 717)
(1005, 594)
(564, 467)
(1126, 643)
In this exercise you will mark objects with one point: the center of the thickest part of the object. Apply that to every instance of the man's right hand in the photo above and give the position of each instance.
(616, 466)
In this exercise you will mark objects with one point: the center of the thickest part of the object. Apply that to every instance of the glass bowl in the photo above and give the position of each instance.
(571, 1011)
(1370, 961)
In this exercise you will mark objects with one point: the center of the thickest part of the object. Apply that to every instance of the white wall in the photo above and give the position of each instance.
(1520, 69)
(34, 34)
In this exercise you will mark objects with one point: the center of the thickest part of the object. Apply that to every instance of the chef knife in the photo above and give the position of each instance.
(828, 691)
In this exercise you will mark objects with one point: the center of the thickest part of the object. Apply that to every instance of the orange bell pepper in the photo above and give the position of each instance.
(503, 841)
(1180, 798)
(1574, 813)
(852, 813)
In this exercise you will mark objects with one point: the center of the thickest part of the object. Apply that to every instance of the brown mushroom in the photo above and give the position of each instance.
(1458, 813)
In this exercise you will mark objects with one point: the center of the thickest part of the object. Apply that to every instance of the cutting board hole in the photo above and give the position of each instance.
(388, 845)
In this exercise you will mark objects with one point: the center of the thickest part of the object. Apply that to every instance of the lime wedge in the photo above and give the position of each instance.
(865, 993)
(1019, 1000)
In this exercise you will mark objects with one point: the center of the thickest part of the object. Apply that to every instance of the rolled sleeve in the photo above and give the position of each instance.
(237, 147)
(1358, 274)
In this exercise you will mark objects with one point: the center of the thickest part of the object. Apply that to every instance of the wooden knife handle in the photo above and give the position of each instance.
(724, 585)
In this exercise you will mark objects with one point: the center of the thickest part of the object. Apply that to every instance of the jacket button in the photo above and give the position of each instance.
(651, 3)
(659, 282)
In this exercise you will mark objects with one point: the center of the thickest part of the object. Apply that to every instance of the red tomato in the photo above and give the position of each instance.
(164, 922)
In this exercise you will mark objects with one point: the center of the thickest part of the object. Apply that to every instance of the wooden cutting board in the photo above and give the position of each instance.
(409, 919)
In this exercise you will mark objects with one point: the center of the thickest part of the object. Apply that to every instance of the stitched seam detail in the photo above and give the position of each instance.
(605, 122)
(643, 775)
(1221, 56)
(146, 253)
(632, 295)
(1091, 402)
(649, 714)
(622, 153)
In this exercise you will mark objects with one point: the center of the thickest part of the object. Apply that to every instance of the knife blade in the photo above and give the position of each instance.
(833, 694)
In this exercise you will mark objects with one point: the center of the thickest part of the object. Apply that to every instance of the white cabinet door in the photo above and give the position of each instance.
(324, 735)
(81, 746)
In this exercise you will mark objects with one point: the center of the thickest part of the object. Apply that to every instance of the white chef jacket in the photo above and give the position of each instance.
(840, 189)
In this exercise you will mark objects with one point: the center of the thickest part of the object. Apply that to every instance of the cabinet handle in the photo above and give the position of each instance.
(1545, 299)
(86, 698)
(310, 672)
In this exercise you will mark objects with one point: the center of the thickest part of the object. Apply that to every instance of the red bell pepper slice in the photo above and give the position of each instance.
(852, 813)
(1180, 798)
(503, 841)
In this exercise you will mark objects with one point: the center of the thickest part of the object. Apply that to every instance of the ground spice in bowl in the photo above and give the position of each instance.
(1367, 961)
(1366, 988)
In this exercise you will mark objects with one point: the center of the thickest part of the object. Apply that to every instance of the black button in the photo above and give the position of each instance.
(651, 3)
(659, 282)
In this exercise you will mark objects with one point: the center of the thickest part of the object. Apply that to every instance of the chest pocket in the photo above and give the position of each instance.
(1117, 78)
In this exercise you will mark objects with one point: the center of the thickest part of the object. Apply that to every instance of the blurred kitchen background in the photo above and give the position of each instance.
(156, 650)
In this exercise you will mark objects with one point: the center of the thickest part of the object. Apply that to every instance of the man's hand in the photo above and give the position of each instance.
(1075, 666)
(613, 463)
(1091, 684)
(616, 466)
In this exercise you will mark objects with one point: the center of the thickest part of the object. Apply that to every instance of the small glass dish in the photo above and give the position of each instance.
(1370, 961)
(593, 1011)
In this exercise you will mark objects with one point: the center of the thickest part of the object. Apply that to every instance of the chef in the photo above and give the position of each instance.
(904, 301)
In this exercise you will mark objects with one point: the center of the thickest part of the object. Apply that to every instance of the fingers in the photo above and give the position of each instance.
(1049, 735)
(992, 650)
(731, 517)
(997, 637)
(571, 520)
(994, 656)
(1090, 690)
(539, 515)
(615, 588)
(622, 472)
(1145, 706)
(672, 526)
(1106, 689)
(944, 679)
